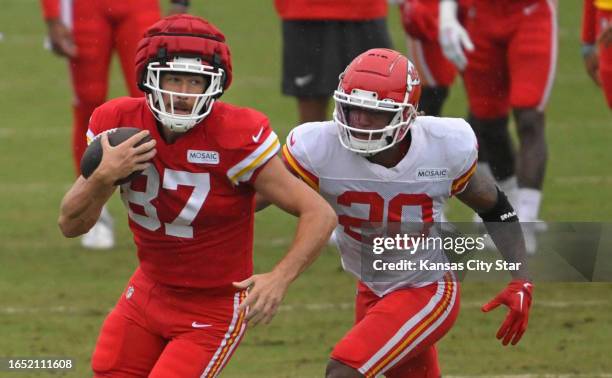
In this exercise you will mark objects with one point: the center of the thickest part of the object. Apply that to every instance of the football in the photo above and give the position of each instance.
(93, 154)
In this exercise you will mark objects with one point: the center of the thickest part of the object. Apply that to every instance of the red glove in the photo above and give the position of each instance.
(517, 296)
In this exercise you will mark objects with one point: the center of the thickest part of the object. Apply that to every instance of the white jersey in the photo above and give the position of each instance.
(439, 163)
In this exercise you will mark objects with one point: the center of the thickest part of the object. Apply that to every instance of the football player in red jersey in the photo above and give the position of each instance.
(508, 54)
(367, 163)
(191, 211)
(86, 33)
(420, 22)
(597, 43)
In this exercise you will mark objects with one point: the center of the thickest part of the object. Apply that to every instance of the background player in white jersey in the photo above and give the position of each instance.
(377, 162)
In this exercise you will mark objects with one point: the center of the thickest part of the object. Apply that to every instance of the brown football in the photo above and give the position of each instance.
(93, 154)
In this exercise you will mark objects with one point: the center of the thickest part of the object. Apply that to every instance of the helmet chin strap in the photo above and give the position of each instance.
(176, 125)
(361, 146)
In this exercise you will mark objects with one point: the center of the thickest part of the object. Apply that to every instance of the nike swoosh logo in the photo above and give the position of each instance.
(527, 285)
(520, 294)
(200, 325)
(291, 140)
(256, 137)
(300, 81)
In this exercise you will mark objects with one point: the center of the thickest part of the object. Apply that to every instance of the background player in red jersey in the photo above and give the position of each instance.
(510, 65)
(420, 22)
(86, 33)
(191, 211)
(365, 163)
(597, 43)
(320, 37)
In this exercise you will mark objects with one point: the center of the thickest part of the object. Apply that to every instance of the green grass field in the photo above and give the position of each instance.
(54, 295)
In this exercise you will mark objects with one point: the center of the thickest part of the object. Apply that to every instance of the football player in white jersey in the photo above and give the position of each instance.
(379, 162)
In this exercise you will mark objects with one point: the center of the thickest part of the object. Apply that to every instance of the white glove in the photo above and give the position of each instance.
(452, 36)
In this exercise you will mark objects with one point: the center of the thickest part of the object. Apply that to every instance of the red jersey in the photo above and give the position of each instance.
(50, 8)
(589, 18)
(344, 10)
(192, 211)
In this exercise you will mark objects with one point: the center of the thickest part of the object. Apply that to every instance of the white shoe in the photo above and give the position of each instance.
(101, 235)
(540, 225)
(530, 231)
(529, 234)
(443, 218)
(488, 242)
(333, 240)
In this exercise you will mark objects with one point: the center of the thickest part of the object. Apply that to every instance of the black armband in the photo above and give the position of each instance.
(501, 212)
(184, 3)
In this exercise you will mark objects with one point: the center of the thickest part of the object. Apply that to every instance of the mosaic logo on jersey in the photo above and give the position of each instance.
(432, 174)
(203, 157)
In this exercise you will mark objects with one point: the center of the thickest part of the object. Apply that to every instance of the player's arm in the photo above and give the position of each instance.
(82, 204)
(317, 220)
(60, 36)
(500, 220)
(260, 202)
(605, 38)
(295, 169)
(178, 7)
(452, 36)
(485, 198)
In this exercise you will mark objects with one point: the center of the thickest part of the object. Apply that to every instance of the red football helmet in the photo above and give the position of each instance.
(379, 80)
(189, 44)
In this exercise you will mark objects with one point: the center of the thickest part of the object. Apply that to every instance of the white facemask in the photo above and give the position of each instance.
(203, 103)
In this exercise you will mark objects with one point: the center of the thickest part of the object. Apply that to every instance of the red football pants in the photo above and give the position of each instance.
(99, 27)
(395, 335)
(513, 64)
(434, 69)
(604, 21)
(163, 332)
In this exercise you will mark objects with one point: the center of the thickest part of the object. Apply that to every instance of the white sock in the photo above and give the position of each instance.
(106, 217)
(484, 167)
(528, 205)
(510, 187)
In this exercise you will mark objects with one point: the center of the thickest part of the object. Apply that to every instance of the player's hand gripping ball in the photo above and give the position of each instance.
(93, 154)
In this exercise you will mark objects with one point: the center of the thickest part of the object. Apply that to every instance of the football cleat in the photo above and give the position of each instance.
(333, 240)
(101, 235)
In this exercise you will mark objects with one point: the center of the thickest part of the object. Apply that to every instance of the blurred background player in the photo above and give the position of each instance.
(597, 43)
(508, 52)
(420, 22)
(437, 73)
(86, 33)
(365, 164)
(320, 38)
(191, 211)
